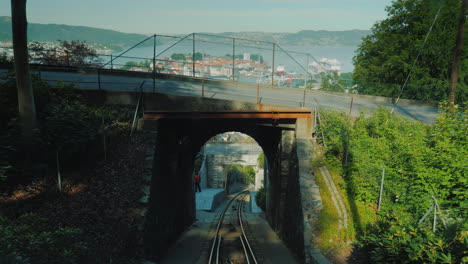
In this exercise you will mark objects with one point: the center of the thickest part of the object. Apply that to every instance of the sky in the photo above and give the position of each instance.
(214, 16)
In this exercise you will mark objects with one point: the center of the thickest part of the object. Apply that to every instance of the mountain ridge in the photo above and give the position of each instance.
(54, 32)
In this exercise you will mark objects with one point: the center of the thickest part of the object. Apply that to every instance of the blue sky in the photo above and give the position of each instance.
(186, 16)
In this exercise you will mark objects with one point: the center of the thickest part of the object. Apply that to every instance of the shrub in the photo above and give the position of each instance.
(393, 240)
(241, 174)
(261, 161)
(260, 198)
(29, 239)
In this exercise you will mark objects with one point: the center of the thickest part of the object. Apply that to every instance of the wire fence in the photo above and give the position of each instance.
(213, 57)
(197, 55)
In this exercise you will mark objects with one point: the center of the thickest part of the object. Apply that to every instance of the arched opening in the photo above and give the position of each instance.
(179, 142)
(227, 163)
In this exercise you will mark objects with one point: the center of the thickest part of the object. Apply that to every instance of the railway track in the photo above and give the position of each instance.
(230, 244)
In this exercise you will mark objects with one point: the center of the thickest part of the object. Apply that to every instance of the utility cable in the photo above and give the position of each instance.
(419, 53)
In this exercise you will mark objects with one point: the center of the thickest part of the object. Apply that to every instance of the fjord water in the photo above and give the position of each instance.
(289, 60)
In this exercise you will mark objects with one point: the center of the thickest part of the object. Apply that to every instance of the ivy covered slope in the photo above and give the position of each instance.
(386, 56)
(422, 163)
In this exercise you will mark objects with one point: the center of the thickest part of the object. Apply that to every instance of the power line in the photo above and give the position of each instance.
(419, 53)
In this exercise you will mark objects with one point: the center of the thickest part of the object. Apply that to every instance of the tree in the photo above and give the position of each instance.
(74, 53)
(178, 56)
(26, 104)
(198, 56)
(336, 82)
(386, 56)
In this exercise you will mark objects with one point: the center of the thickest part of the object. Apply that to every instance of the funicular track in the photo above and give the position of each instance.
(230, 243)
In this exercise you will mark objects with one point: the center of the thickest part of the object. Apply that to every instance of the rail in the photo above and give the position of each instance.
(215, 250)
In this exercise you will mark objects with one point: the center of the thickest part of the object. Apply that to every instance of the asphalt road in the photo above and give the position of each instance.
(292, 97)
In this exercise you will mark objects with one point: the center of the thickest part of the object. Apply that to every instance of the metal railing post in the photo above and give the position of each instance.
(258, 92)
(99, 78)
(193, 55)
(154, 63)
(137, 108)
(233, 58)
(203, 87)
(112, 63)
(381, 187)
(273, 66)
(304, 97)
(351, 106)
(68, 58)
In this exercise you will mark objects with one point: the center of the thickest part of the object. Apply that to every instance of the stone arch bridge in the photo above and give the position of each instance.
(184, 124)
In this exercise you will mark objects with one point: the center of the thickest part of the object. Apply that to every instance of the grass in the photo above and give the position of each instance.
(336, 243)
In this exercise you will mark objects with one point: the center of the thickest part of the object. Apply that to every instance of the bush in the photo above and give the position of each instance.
(241, 174)
(29, 239)
(421, 161)
(393, 240)
(260, 198)
(261, 161)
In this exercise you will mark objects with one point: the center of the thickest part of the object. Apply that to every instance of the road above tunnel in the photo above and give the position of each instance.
(237, 91)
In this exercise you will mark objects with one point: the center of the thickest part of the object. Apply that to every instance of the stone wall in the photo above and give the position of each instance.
(172, 204)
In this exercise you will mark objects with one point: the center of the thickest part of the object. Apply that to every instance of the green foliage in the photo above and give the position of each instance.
(178, 56)
(249, 174)
(260, 198)
(73, 53)
(420, 161)
(241, 174)
(336, 82)
(388, 53)
(114, 113)
(261, 160)
(255, 57)
(28, 239)
(143, 64)
(393, 240)
(199, 56)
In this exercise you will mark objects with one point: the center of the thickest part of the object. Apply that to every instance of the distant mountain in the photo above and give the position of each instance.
(53, 32)
(306, 37)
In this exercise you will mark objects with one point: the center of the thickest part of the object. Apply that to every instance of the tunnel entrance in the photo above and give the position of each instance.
(232, 161)
(172, 204)
(226, 164)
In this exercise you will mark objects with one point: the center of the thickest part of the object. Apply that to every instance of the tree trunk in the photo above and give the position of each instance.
(458, 54)
(27, 108)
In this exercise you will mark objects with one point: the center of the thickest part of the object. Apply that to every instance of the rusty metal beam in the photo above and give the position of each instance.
(271, 114)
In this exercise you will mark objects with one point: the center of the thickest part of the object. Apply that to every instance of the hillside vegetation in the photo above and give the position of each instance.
(422, 163)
